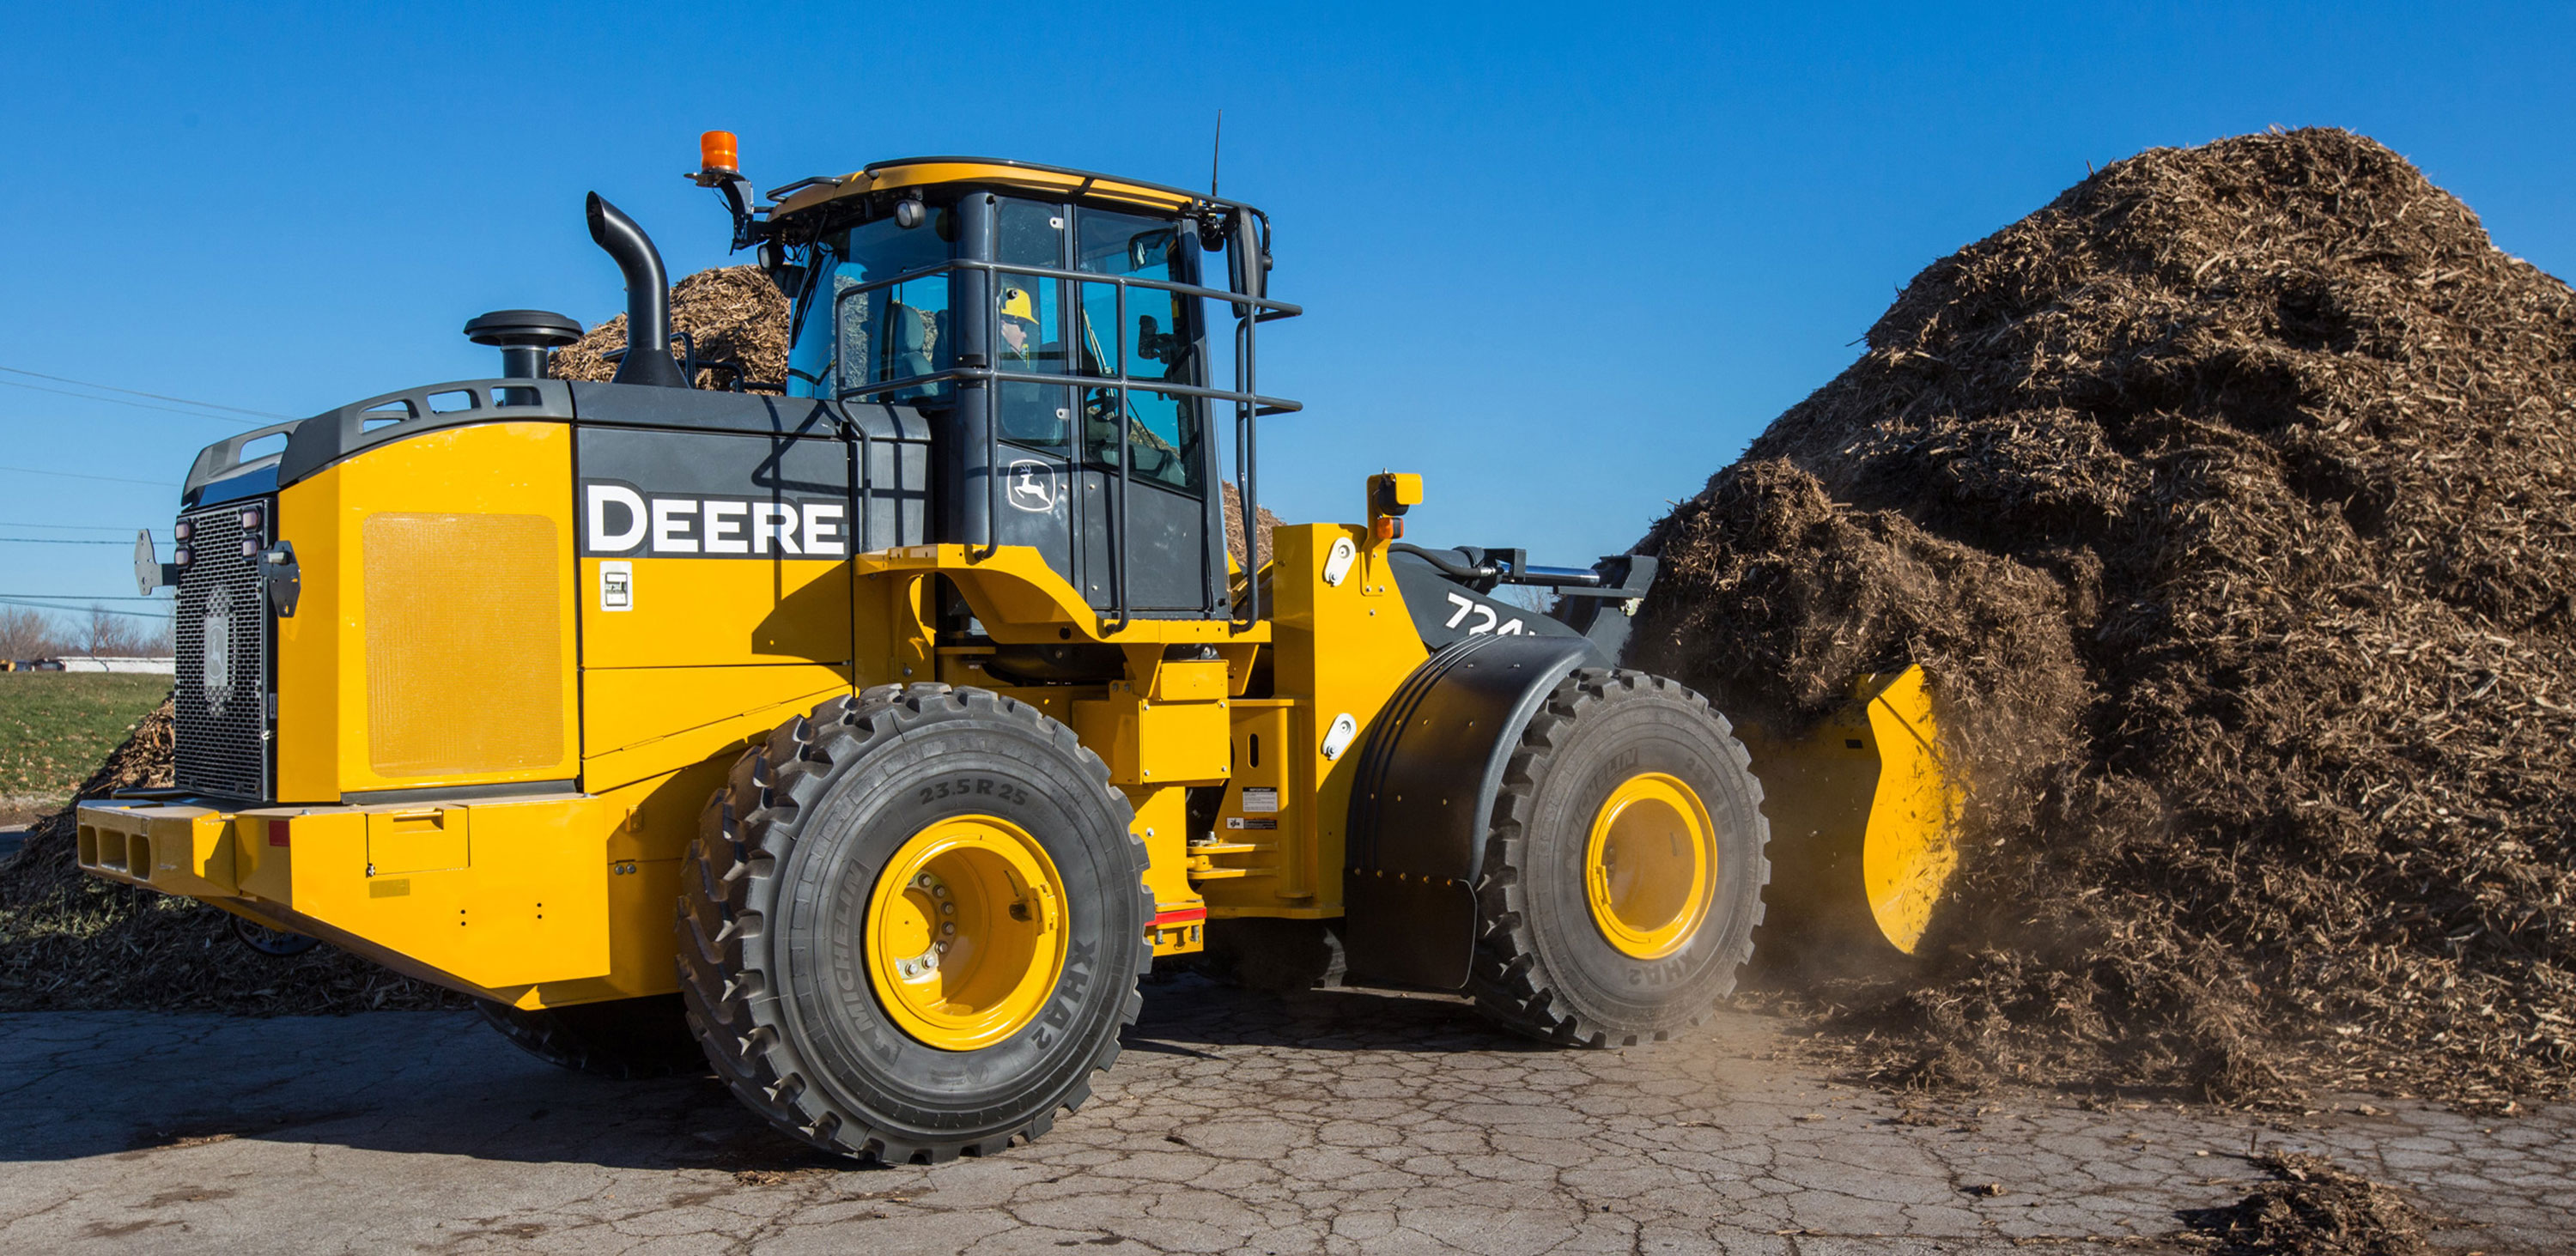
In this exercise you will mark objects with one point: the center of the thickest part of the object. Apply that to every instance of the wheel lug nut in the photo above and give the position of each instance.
(949, 928)
(948, 909)
(926, 882)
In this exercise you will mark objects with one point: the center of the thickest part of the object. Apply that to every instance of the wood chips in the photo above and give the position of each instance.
(731, 313)
(2229, 500)
(69, 940)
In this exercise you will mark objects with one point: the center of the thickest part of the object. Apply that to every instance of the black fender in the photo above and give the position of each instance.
(1424, 800)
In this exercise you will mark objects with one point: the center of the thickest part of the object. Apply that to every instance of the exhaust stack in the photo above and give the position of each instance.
(648, 298)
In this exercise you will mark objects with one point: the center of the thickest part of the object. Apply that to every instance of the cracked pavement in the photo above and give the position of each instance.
(1337, 1121)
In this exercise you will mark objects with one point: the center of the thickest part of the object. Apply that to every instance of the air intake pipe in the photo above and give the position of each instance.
(524, 338)
(648, 298)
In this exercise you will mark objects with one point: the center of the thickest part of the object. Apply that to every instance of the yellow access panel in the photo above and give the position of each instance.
(529, 904)
(423, 839)
(450, 658)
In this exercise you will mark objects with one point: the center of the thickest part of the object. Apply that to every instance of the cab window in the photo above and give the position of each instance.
(850, 335)
(1153, 342)
(1030, 323)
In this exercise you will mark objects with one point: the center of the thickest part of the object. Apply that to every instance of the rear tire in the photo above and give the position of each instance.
(822, 1026)
(621, 1038)
(1555, 960)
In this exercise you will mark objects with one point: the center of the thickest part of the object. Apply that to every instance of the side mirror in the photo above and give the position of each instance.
(1246, 265)
(790, 280)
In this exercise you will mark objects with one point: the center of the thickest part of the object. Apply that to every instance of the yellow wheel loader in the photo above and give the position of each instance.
(868, 734)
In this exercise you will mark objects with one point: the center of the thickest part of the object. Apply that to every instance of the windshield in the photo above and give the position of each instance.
(850, 336)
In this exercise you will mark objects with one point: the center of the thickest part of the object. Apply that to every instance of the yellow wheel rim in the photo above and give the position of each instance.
(1650, 868)
(966, 932)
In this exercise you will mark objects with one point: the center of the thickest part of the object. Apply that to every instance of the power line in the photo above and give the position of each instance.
(57, 540)
(84, 597)
(120, 401)
(83, 610)
(185, 401)
(75, 475)
(69, 527)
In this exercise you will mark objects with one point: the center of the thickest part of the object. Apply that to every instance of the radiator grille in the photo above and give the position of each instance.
(221, 696)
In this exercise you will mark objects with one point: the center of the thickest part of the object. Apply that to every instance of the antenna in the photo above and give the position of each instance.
(1216, 150)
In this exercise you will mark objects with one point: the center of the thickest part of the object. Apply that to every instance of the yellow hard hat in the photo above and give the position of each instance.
(1016, 304)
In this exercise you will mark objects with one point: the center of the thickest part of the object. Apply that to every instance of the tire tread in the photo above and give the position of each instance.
(745, 836)
(1506, 978)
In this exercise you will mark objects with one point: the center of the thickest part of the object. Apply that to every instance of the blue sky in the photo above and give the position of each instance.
(1563, 260)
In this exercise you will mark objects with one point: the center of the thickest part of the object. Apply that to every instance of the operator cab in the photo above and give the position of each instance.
(1054, 327)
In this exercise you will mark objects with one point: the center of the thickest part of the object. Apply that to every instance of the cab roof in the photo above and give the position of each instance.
(905, 172)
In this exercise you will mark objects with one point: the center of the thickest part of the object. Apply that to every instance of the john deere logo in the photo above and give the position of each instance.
(218, 640)
(1032, 486)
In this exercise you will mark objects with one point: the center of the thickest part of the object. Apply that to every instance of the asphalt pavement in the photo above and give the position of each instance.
(1340, 1121)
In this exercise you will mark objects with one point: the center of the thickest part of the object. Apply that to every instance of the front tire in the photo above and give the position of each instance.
(1624, 870)
(915, 924)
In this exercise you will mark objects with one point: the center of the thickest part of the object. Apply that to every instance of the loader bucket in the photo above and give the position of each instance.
(1862, 820)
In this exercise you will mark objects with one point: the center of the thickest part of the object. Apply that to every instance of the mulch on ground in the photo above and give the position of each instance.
(2311, 1208)
(69, 941)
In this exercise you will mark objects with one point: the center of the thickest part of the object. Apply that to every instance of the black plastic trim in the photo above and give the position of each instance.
(332, 435)
(221, 467)
(259, 481)
(335, 435)
(459, 793)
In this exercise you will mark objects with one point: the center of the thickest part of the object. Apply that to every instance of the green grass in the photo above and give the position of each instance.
(55, 727)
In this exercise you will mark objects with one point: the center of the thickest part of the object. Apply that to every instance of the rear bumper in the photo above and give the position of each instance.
(491, 898)
(174, 848)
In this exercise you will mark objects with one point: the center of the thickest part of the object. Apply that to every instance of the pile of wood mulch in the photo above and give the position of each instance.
(730, 313)
(71, 941)
(2230, 501)
(1234, 525)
